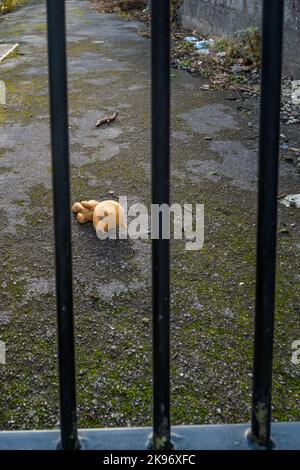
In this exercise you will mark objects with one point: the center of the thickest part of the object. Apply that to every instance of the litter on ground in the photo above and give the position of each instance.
(6, 49)
(291, 200)
(203, 46)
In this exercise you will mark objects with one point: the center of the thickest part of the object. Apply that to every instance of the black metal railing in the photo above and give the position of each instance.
(267, 219)
(160, 195)
(61, 197)
(192, 437)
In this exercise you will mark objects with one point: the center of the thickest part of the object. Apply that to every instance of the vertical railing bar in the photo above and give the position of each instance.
(62, 226)
(273, 13)
(160, 195)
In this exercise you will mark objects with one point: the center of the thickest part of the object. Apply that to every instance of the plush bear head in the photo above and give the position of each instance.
(108, 216)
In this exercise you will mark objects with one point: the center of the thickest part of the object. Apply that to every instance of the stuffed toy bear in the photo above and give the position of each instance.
(84, 210)
(105, 215)
(108, 215)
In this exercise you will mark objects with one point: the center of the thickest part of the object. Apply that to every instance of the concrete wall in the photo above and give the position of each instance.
(228, 16)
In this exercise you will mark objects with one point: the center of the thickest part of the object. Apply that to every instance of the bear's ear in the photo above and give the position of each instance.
(89, 205)
(93, 204)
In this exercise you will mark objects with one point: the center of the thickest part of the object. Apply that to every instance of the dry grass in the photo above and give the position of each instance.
(245, 46)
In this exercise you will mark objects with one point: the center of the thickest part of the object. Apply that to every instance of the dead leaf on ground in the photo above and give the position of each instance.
(107, 119)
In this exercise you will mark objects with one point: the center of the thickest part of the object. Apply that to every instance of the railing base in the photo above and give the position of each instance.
(286, 436)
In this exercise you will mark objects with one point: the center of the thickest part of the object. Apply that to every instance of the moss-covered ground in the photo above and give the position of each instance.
(212, 290)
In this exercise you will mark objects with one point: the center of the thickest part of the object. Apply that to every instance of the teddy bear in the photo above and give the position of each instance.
(105, 215)
(84, 210)
(108, 215)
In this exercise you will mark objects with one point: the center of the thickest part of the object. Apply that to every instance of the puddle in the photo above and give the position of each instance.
(236, 162)
(209, 119)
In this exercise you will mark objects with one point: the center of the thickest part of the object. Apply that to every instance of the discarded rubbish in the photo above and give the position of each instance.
(291, 200)
(203, 46)
(237, 68)
(214, 56)
(287, 146)
(84, 210)
(191, 39)
(204, 43)
(105, 215)
(204, 51)
(6, 50)
(107, 120)
(108, 215)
